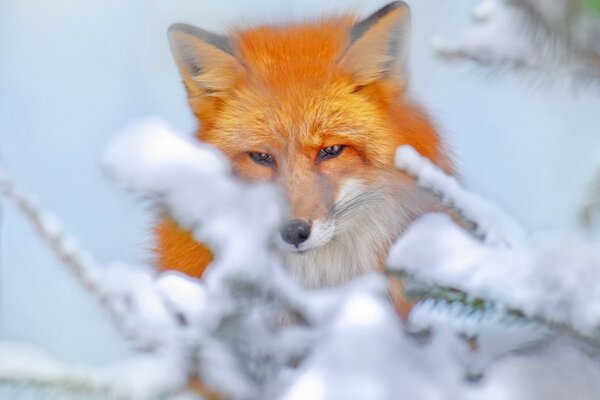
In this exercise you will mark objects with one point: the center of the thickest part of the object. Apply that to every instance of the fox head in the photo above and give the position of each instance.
(318, 108)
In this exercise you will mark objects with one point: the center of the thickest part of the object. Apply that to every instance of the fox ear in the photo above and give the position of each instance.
(378, 45)
(205, 60)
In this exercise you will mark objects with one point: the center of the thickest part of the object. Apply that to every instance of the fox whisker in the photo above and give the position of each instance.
(346, 210)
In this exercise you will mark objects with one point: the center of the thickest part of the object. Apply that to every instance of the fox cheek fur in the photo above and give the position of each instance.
(319, 108)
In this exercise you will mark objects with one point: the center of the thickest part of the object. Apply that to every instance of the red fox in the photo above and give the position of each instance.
(319, 109)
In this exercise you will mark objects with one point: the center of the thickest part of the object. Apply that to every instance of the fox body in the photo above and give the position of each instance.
(318, 108)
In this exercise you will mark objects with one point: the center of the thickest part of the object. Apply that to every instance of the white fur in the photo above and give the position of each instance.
(358, 244)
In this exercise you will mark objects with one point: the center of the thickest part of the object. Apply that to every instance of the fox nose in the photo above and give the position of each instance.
(295, 232)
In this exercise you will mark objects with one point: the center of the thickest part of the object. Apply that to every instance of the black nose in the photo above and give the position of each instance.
(295, 232)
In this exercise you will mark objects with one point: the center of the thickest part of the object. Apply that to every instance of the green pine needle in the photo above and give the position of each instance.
(417, 291)
(592, 7)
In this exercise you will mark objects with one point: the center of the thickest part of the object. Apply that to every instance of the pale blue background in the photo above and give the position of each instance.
(72, 72)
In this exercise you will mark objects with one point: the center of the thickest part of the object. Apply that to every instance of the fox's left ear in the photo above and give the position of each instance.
(378, 45)
(206, 60)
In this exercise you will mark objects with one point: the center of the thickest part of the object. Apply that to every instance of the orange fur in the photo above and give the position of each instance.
(176, 249)
(290, 91)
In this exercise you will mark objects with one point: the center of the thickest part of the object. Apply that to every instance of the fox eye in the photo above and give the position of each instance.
(261, 158)
(331, 151)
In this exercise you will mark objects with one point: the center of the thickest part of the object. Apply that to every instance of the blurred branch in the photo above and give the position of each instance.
(79, 261)
(120, 289)
(589, 213)
(28, 366)
(548, 37)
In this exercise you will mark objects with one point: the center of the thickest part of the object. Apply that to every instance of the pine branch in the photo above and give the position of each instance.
(124, 292)
(483, 218)
(481, 307)
(483, 275)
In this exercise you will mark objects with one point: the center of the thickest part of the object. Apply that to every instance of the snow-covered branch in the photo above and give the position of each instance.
(248, 331)
(554, 37)
(66, 248)
(29, 366)
(486, 219)
(126, 292)
(552, 278)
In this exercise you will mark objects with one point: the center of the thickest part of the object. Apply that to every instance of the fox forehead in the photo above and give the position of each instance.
(305, 117)
(298, 53)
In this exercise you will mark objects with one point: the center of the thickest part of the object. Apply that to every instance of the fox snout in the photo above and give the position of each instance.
(295, 232)
(300, 235)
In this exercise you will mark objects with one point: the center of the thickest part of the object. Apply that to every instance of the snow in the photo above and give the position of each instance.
(25, 361)
(182, 293)
(367, 355)
(193, 182)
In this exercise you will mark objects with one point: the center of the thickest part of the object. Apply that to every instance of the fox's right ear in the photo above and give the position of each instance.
(205, 60)
(378, 45)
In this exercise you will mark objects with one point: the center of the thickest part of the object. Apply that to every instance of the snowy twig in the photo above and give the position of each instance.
(140, 311)
(79, 261)
(29, 366)
(123, 291)
(489, 222)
